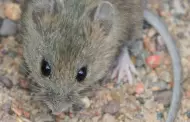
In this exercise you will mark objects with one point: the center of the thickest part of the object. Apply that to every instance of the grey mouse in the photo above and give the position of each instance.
(69, 45)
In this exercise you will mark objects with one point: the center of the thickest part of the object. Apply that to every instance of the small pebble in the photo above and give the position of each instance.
(108, 118)
(86, 101)
(187, 114)
(12, 54)
(4, 51)
(12, 11)
(26, 114)
(6, 82)
(73, 120)
(17, 111)
(2, 11)
(141, 100)
(7, 106)
(139, 88)
(152, 77)
(151, 32)
(163, 97)
(112, 107)
(95, 119)
(150, 104)
(160, 115)
(8, 27)
(139, 116)
(165, 76)
(153, 61)
(1, 21)
(158, 86)
(160, 44)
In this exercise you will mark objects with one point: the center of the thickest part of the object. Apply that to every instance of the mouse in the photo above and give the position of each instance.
(70, 45)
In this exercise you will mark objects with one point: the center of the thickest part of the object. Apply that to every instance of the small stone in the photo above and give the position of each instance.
(108, 118)
(187, 114)
(17, 111)
(86, 101)
(139, 88)
(141, 100)
(150, 104)
(87, 120)
(165, 76)
(95, 119)
(152, 77)
(163, 97)
(160, 115)
(139, 116)
(12, 54)
(160, 44)
(151, 32)
(153, 61)
(8, 27)
(24, 83)
(6, 82)
(8, 118)
(117, 96)
(74, 120)
(184, 61)
(7, 106)
(26, 114)
(186, 85)
(2, 11)
(112, 107)
(160, 107)
(158, 86)
(12, 11)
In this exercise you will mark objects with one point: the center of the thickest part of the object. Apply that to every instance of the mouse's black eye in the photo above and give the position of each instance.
(81, 74)
(45, 68)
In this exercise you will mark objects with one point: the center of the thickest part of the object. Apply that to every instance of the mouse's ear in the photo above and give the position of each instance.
(103, 13)
(41, 7)
(37, 9)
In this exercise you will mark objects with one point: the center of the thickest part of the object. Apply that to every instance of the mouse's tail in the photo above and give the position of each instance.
(161, 27)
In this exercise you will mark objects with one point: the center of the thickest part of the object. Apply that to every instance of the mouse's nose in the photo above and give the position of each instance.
(55, 111)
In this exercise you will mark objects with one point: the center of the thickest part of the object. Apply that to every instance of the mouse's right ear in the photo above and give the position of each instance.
(104, 13)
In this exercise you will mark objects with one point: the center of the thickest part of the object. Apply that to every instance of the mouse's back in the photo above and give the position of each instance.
(70, 44)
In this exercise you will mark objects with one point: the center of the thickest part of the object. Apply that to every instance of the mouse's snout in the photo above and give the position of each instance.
(62, 102)
(58, 105)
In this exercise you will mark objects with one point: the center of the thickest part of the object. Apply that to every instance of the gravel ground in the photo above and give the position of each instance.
(145, 101)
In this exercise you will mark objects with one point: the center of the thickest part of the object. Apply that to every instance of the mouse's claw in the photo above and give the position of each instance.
(125, 68)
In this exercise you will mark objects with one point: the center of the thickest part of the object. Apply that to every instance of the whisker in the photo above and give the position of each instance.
(24, 69)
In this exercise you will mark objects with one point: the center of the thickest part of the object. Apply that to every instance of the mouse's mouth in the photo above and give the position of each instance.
(59, 110)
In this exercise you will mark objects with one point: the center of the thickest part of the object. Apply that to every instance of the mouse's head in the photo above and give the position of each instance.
(67, 48)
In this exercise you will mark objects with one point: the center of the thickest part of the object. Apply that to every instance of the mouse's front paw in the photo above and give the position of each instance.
(125, 68)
